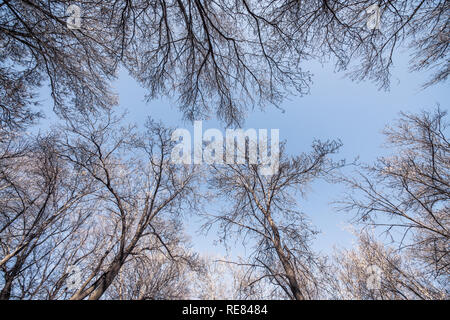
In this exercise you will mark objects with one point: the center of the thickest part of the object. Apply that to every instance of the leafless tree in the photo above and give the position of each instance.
(407, 194)
(137, 183)
(340, 29)
(158, 270)
(106, 198)
(97, 197)
(41, 203)
(225, 278)
(263, 210)
(37, 48)
(374, 271)
(214, 56)
(229, 55)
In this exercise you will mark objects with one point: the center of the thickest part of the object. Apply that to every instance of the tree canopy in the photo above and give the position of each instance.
(215, 57)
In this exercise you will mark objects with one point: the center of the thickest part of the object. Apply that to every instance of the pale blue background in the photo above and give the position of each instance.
(336, 108)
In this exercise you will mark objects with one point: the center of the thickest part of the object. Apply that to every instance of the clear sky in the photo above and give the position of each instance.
(336, 108)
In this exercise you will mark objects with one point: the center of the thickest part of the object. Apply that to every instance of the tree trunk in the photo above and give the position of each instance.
(290, 272)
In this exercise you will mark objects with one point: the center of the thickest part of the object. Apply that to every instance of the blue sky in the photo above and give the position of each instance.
(336, 108)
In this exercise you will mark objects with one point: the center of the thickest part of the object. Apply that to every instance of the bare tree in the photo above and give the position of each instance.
(40, 204)
(364, 36)
(135, 190)
(374, 271)
(93, 196)
(229, 55)
(407, 194)
(106, 198)
(158, 269)
(214, 56)
(38, 48)
(262, 209)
